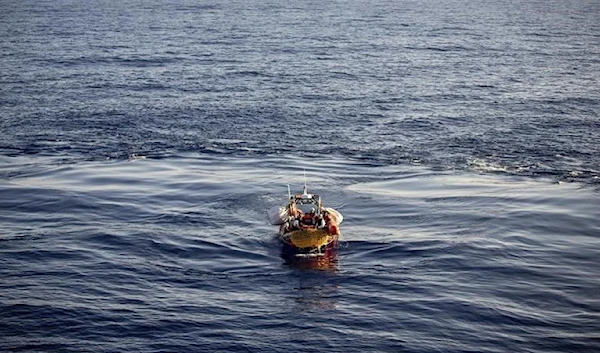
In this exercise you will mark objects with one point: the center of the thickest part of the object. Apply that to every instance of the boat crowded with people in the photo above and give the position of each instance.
(306, 227)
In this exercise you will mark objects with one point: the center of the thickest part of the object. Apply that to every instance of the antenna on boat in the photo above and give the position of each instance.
(304, 191)
(289, 192)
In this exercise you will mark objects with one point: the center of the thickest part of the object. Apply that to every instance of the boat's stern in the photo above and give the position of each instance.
(309, 243)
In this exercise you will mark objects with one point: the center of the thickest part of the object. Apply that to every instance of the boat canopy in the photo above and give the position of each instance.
(307, 202)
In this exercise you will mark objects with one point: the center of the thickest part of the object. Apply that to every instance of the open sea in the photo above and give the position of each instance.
(142, 142)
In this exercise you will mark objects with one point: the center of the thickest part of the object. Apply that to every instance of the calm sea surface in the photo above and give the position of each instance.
(141, 143)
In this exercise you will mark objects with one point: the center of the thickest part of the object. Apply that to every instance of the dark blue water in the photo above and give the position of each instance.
(141, 144)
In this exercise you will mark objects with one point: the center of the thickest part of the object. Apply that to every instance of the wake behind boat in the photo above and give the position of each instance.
(306, 227)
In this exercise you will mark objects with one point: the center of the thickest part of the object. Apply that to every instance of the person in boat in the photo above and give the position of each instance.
(295, 223)
(320, 222)
(309, 218)
(286, 226)
(326, 217)
(293, 211)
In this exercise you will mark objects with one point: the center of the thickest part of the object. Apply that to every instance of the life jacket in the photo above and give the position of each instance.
(333, 229)
(308, 219)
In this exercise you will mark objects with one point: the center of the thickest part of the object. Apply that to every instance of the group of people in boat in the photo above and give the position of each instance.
(301, 220)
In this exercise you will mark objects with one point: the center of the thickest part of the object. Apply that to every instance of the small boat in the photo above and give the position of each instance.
(307, 228)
